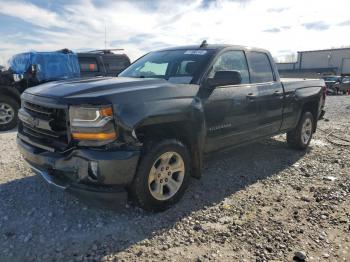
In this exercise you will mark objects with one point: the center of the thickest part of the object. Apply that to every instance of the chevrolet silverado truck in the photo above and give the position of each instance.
(144, 133)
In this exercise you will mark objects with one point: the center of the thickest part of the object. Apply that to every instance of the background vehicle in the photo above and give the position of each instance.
(34, 68)
(147, 130)
(330, 81)
(102, 63)
(343, 86)
(28, 70)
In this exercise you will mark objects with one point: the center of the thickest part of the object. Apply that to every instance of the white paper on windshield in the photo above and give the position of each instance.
(195, 52)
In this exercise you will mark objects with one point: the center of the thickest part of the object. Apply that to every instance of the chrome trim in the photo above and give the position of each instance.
(47, 177)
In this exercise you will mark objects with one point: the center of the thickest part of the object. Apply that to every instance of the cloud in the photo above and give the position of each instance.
(277, 10)
(272, 30)
(286, 27)
(142, 26)
(32, 14)
(345, 23)
(319, 26)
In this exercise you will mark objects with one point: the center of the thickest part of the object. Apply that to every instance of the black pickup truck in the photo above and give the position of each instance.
(146, 131)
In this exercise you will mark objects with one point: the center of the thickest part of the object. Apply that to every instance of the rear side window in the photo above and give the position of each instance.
(260, 67)
(88, 65)
(115, 64)
(232, 61)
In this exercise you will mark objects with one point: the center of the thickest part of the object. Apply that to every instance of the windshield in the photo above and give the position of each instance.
(176, 66)
(331, 78)
(346, 79)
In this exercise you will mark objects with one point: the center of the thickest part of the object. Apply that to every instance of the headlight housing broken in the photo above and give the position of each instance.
(92, 125)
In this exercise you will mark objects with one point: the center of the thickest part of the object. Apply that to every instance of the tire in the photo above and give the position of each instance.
(8, 113)
(155, 156)
(296, 138)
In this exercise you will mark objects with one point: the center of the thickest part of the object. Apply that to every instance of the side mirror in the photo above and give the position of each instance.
(225, 78)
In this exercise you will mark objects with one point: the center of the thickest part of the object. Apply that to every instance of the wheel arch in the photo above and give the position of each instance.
(313, 108)
(11, 92)
(191, 133)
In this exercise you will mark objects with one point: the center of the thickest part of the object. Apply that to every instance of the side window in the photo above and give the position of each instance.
(260, 67)
(229, 61)
(88, 65)
(115, 64)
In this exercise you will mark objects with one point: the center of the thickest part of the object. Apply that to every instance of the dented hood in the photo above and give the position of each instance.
(94, 87)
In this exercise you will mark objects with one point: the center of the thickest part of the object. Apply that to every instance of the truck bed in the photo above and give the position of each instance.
(296, 83)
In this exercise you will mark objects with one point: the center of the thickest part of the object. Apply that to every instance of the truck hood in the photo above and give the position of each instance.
(94, 87)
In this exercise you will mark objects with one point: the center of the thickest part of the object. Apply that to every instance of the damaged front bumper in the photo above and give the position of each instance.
(86, 172)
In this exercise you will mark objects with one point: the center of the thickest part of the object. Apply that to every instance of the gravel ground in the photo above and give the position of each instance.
(261, 202)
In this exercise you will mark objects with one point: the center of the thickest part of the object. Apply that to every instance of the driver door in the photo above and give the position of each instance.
(231, 112)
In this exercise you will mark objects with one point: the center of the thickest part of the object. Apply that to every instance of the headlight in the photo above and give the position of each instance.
(92, 123)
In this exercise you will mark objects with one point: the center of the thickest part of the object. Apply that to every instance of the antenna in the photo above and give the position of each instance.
(203, 44)
(105, 36)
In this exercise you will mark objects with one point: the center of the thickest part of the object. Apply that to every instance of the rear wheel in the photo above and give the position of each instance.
(8, 113)
(300, 137)
(162, 176)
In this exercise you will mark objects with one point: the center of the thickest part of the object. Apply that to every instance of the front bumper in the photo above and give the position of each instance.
(72, 171)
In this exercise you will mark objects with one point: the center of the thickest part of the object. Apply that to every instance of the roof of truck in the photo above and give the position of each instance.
(215, 47)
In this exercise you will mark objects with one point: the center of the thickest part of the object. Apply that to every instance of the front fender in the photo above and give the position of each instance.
(133, 115)
(177, 118)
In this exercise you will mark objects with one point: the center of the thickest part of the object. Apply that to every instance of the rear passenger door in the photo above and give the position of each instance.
(269, 97)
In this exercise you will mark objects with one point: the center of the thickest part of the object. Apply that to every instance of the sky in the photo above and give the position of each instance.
(281, 26)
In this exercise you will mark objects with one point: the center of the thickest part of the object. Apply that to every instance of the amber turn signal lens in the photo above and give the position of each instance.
(94, 136)
(107, 111)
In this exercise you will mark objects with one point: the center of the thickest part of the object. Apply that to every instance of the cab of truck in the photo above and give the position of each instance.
(102, 62)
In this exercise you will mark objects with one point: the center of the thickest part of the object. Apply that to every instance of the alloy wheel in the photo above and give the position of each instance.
(7, 113)
(306, 131)
(166, 176)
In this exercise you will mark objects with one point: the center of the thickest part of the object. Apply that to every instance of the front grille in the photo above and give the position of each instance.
(50, 128)
(38, 109)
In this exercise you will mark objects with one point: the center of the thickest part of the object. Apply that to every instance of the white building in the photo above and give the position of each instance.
(318, 62)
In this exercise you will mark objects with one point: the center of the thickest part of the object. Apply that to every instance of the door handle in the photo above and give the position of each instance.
(251, 95)
(278, 93)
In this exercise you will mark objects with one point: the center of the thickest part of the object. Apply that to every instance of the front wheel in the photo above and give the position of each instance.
(8, 113)
(300, 137)
(162, 176)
